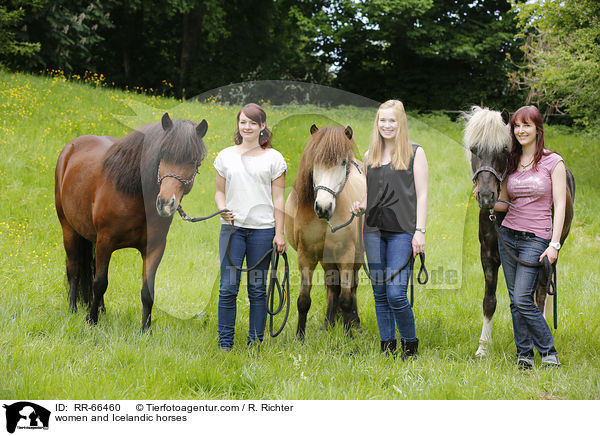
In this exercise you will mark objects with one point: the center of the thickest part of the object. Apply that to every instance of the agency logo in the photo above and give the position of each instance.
(26, 415)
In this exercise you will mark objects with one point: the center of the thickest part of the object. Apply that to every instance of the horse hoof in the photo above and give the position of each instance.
(91, 321)
(481, 351)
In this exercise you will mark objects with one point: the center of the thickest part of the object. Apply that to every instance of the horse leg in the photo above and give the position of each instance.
(490, 261)
(72, 245)
(355, 318)
(151, 262)
(103, 252)
(307, 268)
(332, 282)
(348, 296)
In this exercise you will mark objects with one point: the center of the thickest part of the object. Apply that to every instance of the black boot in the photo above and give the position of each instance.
(409, 349)
(389, 347)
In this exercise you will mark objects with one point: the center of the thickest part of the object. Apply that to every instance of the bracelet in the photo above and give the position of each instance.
(422, 230)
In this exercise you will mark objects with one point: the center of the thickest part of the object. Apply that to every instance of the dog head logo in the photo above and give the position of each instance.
(26, 415)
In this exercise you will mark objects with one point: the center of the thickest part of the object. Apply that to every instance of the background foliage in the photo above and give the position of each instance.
(561, 46)
(433, 54)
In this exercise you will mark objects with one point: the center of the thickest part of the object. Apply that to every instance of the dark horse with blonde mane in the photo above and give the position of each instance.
(327, 183)
(114, 193)
(487, 140)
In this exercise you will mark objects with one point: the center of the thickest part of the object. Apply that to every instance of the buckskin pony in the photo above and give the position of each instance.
(327, 182)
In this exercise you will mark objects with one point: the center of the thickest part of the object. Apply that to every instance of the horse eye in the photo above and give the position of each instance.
(344, 163)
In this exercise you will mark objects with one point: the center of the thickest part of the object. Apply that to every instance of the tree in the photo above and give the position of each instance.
(12, 47)
(561, 68)
(432, 54)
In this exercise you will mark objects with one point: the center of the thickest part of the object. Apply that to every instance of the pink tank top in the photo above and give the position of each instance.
(531, 192)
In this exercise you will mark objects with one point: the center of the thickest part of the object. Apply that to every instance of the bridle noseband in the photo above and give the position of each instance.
(488, 169)
(185, 182)
(331, 191)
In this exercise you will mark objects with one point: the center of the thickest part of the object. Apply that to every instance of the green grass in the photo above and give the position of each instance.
(48, 353)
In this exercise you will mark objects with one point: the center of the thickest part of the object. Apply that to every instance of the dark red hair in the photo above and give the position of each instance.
(258, 115)
(529, 114)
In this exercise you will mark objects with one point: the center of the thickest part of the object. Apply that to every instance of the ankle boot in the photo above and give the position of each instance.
(389, 347)
(409, 349)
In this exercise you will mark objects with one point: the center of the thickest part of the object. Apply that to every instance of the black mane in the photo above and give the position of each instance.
(133, 160)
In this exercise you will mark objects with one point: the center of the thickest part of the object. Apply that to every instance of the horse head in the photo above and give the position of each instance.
(331, 156)
(487, 140)
(181, 152)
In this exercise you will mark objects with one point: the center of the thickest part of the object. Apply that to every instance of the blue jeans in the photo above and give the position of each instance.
(386, 253)
(251, 244)
(529, 325)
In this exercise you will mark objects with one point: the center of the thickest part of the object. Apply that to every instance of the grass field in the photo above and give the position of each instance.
(48, 353)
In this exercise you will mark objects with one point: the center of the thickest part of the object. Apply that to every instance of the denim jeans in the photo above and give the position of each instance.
(529, 325)
(386, 253)
(251, 244)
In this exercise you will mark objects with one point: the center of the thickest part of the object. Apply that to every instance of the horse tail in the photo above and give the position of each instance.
(86, 260)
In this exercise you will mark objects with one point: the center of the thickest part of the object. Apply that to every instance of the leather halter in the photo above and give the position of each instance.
(183, 181)
(489, 169)
(331, 191)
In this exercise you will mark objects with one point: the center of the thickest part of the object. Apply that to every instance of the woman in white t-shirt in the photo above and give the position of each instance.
(250, 185)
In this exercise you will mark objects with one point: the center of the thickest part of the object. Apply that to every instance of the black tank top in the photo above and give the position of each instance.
(391, 198)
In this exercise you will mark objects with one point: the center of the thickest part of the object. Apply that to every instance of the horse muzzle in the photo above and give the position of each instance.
(487, 199)
(324, 210)
(164, 208)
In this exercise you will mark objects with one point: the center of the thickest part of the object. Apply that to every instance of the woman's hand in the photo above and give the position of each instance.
(475, 191)
(279, 243)
(551, 253)
(358, 207)
(227, 215)
(418, 243)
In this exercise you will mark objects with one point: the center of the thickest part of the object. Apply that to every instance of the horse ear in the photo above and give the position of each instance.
(313, 129)
(505, 116)
(349, 132)
(202, 128)
(166, 121)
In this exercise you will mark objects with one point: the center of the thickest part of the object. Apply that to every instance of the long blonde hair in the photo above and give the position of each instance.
(402, 152)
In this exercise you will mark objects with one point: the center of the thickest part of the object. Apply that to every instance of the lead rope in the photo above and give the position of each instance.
(283, 289)
(546, 271)
(409, 261)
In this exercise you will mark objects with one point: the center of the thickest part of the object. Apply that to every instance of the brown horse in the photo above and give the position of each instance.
(327, 183)
(487, 140)
(114, 193)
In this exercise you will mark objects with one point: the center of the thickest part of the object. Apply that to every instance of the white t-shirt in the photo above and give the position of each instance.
(248, 185)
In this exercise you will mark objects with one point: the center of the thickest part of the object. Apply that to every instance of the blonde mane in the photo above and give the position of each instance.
(485, 130)
(327, 146)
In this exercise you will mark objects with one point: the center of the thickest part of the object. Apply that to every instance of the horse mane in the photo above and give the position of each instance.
(485, 130)
(132, 161)
(328, 146)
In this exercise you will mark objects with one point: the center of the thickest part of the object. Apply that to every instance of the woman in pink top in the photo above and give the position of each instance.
(536, 181)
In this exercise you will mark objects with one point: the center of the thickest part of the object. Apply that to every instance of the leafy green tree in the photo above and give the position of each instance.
(12, 46)
(432, 54)
(561, 46)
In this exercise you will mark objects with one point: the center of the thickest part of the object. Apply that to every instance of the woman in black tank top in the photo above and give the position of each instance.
(396, 213)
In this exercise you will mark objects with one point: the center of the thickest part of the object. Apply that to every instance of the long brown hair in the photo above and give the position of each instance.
(258, 115)
(529, 114)
(402, 152)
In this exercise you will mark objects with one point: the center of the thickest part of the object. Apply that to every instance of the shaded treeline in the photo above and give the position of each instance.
(432, 54)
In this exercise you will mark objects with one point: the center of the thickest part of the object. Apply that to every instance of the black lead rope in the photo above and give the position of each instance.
(422, 276)
(546, 271)
(283, 289)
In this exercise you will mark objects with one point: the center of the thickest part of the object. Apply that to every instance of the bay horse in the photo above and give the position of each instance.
(327, 182)
(487, 141)
(113, 193)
